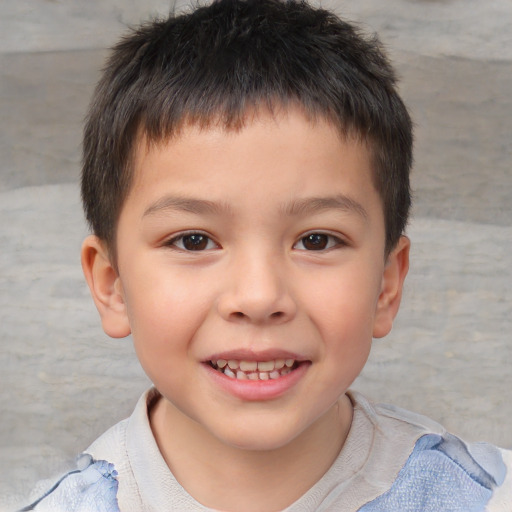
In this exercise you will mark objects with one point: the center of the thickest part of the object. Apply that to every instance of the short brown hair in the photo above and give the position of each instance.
(215, 63)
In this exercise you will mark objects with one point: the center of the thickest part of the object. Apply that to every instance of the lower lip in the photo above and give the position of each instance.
(258, 390)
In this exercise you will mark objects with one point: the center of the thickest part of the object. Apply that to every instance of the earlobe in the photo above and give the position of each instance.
(105, 286)
(390, 296)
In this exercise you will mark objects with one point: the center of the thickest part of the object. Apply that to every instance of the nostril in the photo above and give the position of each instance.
(241, 315)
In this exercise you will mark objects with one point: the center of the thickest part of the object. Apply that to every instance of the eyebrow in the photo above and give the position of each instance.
(298, 207)
(317, 204)
(186, 204)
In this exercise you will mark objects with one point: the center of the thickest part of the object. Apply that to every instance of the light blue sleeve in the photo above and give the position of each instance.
(93, 489)
(441, 474)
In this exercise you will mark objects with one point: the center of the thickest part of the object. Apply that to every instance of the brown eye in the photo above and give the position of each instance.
(195, 242)
(315, 242)
(192, 242)
(318, 242)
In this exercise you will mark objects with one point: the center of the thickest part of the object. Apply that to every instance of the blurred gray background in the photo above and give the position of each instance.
(63, 382)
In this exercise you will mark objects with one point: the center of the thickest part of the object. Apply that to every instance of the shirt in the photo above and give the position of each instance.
(392, 460)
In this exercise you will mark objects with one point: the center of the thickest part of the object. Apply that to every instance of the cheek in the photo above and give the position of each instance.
(164, 314)
(344, 301)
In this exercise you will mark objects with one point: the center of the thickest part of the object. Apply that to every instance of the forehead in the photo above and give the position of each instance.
(284, 155)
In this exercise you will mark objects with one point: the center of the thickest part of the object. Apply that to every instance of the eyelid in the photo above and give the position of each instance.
(171, 242)
(337, 238)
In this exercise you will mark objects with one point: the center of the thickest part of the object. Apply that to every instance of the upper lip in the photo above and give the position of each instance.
(251, 355)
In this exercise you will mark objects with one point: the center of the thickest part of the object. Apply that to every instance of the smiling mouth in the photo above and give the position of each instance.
(255, 370)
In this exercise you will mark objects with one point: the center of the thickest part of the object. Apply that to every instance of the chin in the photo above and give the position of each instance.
(271, 437)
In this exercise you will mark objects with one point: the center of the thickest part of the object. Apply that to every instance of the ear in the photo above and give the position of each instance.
(390, 296)
(106, 288)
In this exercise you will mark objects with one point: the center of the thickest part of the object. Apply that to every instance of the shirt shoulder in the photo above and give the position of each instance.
(408, 462)
(442, 472)
(501, 500)
(101, 471)
(92, 488)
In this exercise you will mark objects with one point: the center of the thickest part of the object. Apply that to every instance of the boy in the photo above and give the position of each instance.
(246, 177)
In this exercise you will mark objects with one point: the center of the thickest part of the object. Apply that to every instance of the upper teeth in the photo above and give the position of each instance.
(252, 366)
(260, 370)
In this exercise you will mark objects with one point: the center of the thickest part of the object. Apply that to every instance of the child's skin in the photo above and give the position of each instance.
(254, 288)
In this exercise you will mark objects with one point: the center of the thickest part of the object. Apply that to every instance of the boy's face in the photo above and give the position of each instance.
(254, 247)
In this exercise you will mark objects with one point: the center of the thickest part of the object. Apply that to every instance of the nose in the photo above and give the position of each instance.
(257, 290)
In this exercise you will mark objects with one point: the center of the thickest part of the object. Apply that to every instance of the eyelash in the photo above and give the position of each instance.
(174, 242)
(202, 242)
(331, 241)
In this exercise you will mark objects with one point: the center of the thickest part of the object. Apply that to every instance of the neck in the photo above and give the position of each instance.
(266, 480)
